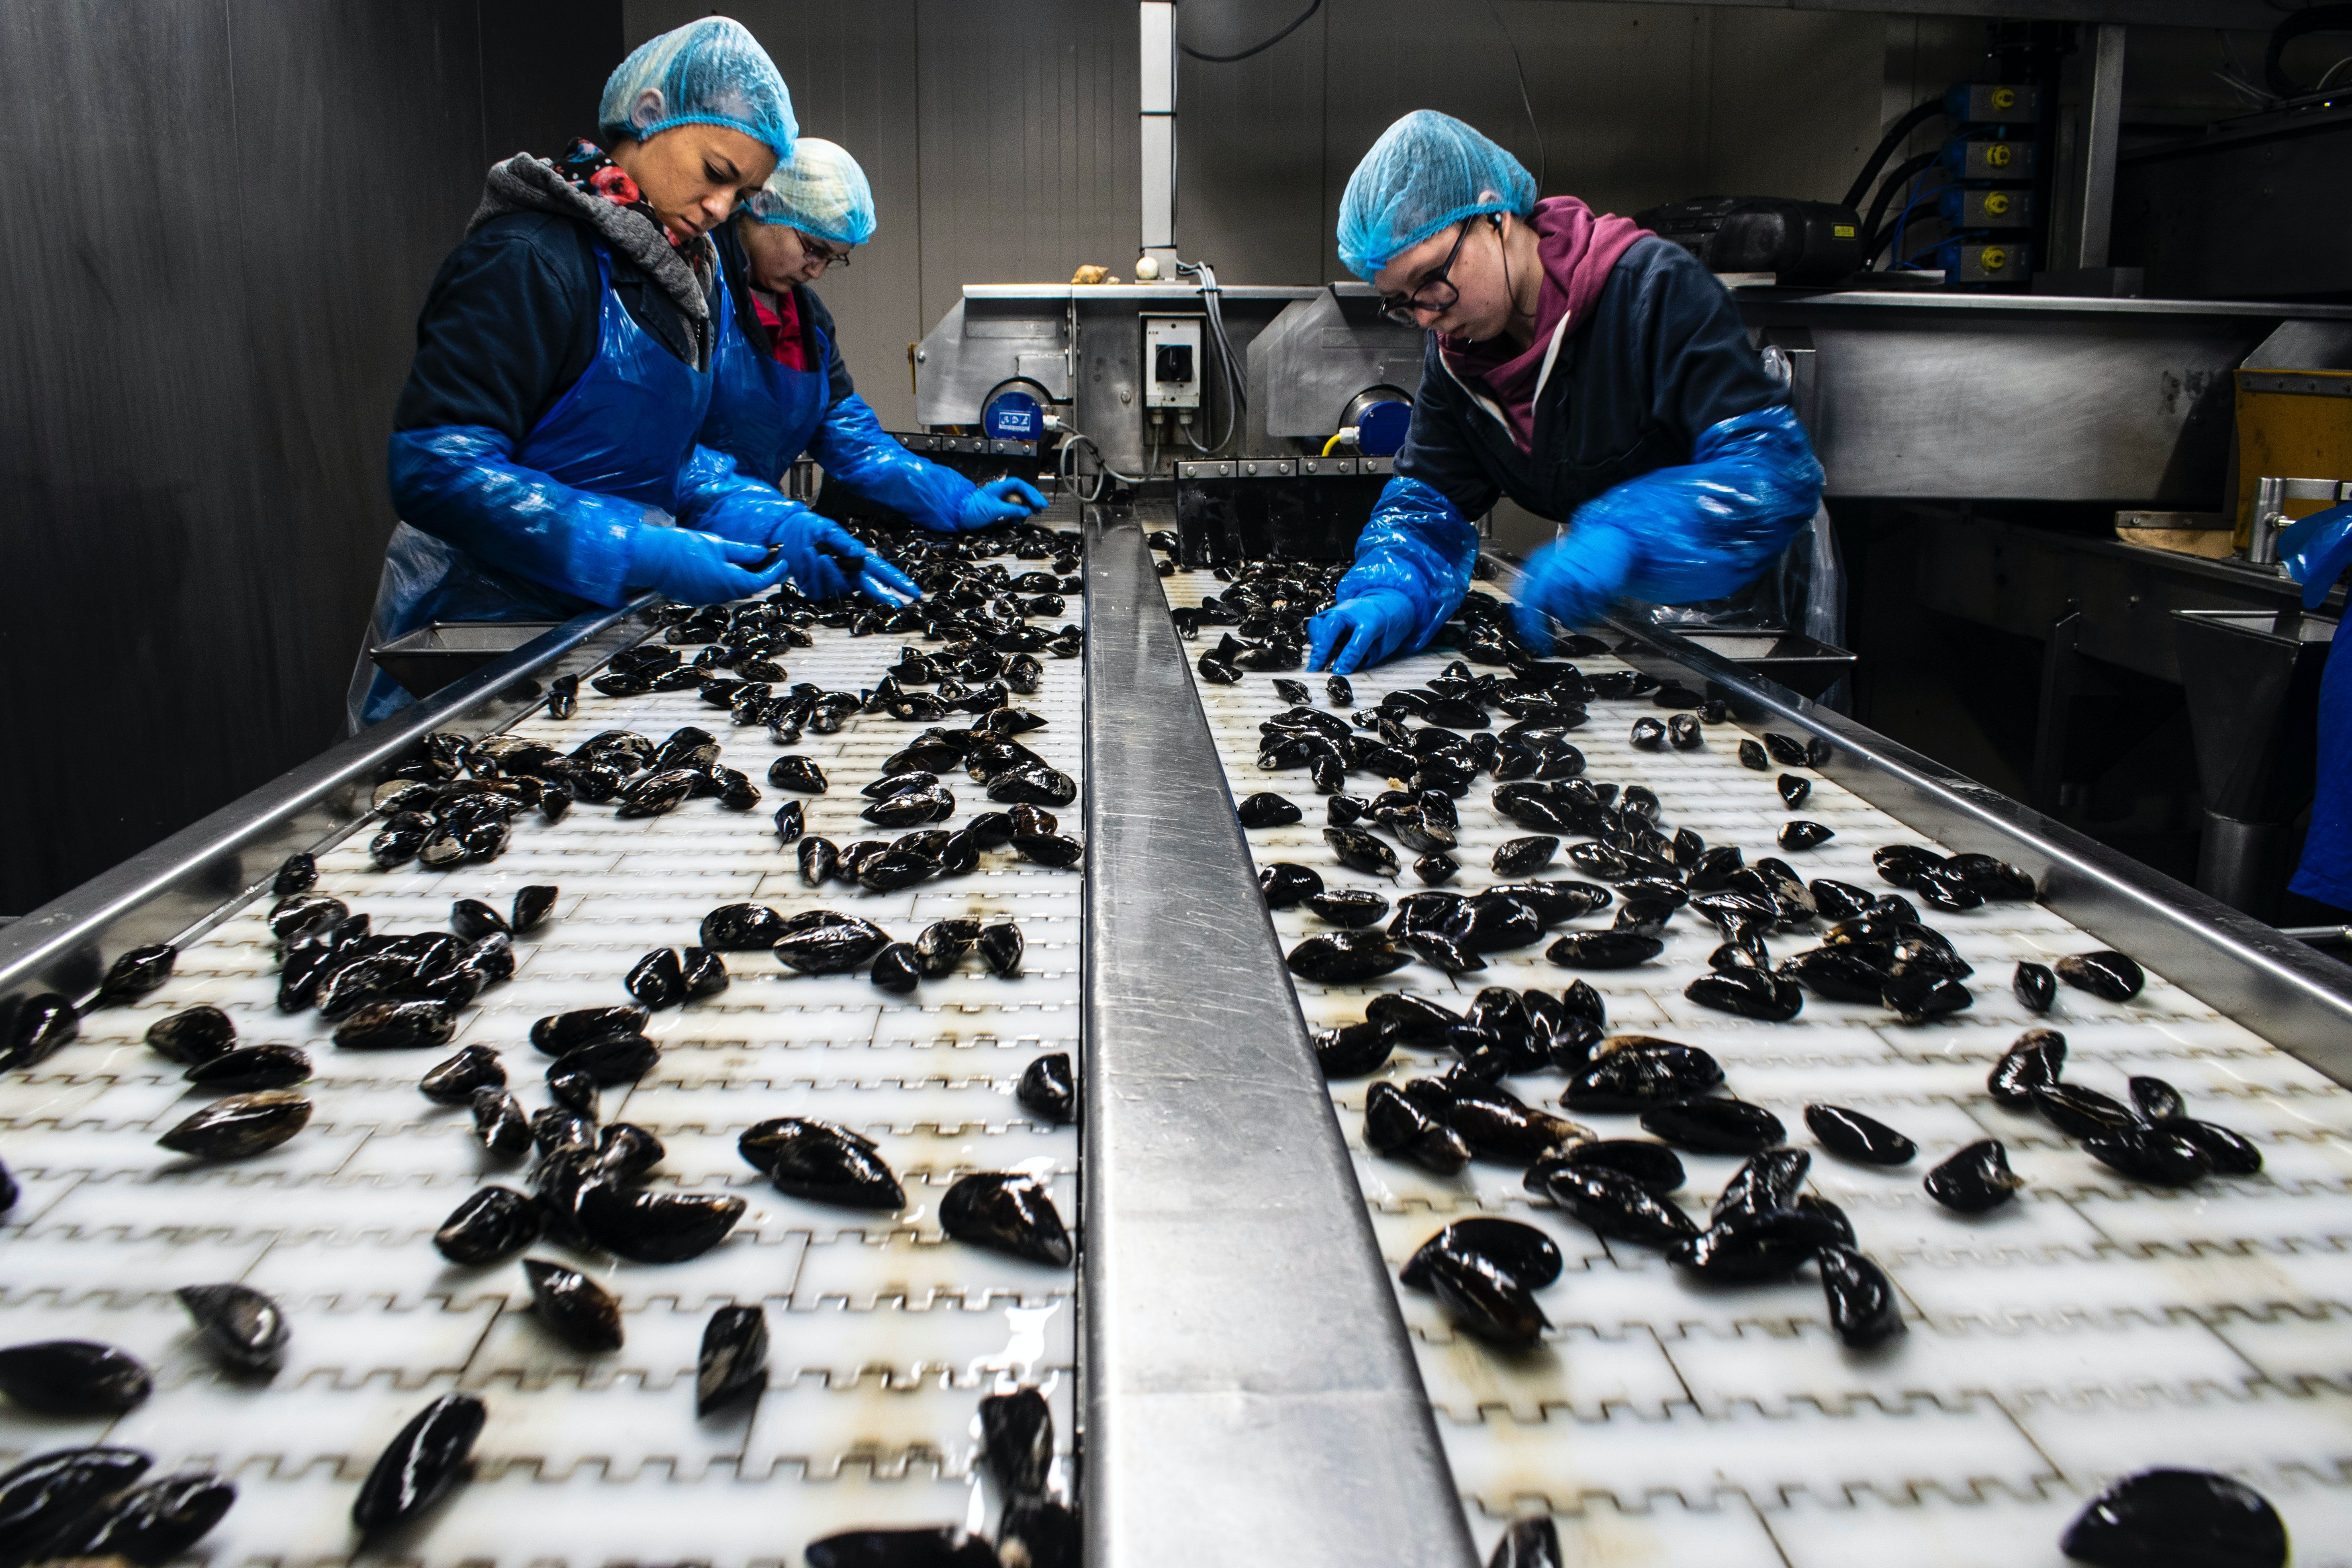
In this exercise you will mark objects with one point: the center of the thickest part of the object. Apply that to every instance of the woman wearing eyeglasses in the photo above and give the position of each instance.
(782, 386)
(1578, 363)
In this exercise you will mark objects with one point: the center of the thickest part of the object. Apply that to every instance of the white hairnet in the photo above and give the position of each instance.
(710, 72)
(820, 190)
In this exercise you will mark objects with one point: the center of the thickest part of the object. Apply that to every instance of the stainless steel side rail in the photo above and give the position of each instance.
(2299, 1001)
(1249, 1395)
(168, 891)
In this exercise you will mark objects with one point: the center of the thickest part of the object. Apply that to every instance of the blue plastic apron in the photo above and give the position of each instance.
(764, 414)
(2325, 874)
(625, 428)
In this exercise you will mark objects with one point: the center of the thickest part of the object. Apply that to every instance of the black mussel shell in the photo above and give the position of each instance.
(898, 968)
(2080, 1113)
(532, 907)
(1752, 755)
(1991, 878)
(452, 1083)
(1647, 734)
(609, 1059)
(1852, 1135)
(1353, 1051)
(1769, 1180)
(1034, 783)
(239, 1126)
(1794, 790)
(2232, 1153)
(705, 972)
(433, 1453)
(572, 1307)
(1635, 1078)
(1515, 1247)
(739, 928)
(1918, 996)
(297, 873)
(1494, 1122)
(2108, 976)
(472, 919)
(1057, 850)
(197, 1035)
(1001, 947)
(1976, 1179)
(823, 1163)
(1349, 906)
(624, 1150)
(1531, 1542)
(1007, 1212)
(493, 1223)
(1047, 1088)
(1899, 863)
(1394, 1125)
(1683, 733)
(792, 821)
(51, 1493)
(653, 1226)
(1757, 1244)
(1863, 1308)
(294, 919)
(74, 1377)
(1017, 1435)
(734, 1357)
(136, 973)
(2177, 1518)
(1840, 900)
(574, 1090)
(150, 1526)
(1487, 1299)
(942, 943)
(560, 1032)
(2036, 1060)
(1341, 693)
(2035, 985)
(397, 1025)
(1554, 901)
(800, 773)
(1716, 1127)
(1284, 884)
(818, 857)
(823, 942)
(1800, 835)
(657, 979)
(2157, 1101)
(43, 1023)
(1266, 810)
(2162, 1156)
(1360, 850)
(1613, 1202)
(1653, 1166)
(1749, 993)
(251, 1067)
(499, 1123)
(1440, 950)
(239, 1324)
(1523, 856)
(1436, 868)
(933, 1546)
(1346, 957)
(1604, 950)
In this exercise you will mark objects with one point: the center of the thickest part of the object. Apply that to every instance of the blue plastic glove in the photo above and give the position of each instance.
(826, 562)
(1362, 630)
(1682, 535)
(857, 452)
(1416, 547)
(1002, 500)
(2315, 551)
(460, 483)
(700, 569)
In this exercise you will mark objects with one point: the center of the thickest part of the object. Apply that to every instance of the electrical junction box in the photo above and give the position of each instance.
(1968, 159)
(1975, 261)
(1992, 104)
(1994, 209)
(1171, 362)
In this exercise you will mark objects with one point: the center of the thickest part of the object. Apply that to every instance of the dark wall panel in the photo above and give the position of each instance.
(1250, 153)
(542, 70)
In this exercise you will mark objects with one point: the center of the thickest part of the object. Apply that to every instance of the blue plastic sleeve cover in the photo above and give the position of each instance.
(854, 450)
(1417, 545)
(2315, 551)
(1681, 535)
(460, 483)
(714, 497)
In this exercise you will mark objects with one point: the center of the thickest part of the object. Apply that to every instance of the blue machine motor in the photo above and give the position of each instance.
(1012, 415)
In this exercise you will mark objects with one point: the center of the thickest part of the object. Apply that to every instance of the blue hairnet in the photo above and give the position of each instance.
(1426, 171)
(819, 191)
(711, 72)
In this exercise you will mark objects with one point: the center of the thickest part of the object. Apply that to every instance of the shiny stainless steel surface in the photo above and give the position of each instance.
(154, 896)
(1320, 352)
(2248, 971)
(1250, 1395)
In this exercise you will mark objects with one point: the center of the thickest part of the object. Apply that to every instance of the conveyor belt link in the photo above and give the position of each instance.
(884, 1335)
(2095, 1327)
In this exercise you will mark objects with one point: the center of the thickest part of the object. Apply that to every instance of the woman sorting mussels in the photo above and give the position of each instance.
(782, 388)
(1591, 371)
(543, 456)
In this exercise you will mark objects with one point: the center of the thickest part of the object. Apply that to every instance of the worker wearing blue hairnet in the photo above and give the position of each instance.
(543, 458)
(2317, 551)
(783, 388)
(1588, 370)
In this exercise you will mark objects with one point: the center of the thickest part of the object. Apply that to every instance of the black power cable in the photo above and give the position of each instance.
(1871, 237)
(2316, 19)
(1313, 7)
(1543, 157)
(1896, 134)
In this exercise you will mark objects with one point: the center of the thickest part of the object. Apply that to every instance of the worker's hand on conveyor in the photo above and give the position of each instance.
(1004, 500)
(700, 569)
(826, 562)
(1361, 630)
(1572, 582)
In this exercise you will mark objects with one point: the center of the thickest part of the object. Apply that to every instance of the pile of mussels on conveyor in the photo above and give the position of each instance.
(456, 803)
(1424, 747)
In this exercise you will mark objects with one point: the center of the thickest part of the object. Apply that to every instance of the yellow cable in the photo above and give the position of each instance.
(1334, 442)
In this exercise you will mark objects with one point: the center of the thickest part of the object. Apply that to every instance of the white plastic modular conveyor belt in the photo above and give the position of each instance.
(884, 1335)
(2096, 1327)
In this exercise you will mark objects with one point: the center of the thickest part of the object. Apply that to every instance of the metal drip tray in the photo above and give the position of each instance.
(1796, 662)
(434, 656)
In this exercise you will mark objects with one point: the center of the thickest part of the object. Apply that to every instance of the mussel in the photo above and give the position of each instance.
(196, 1035)
(822, 1162)
(2109, 975)
(2177, 1518)
(431, 1454)
(1009, 1213)
(1613, 1202)
(1863, 1308)
(240, 1126)
(494, 1222)
(1976, 1179)
(1714, 1126)
(240, 1325)
(1634, 1078)
(733, 1361)
(1854, 1136)
(572, 1307)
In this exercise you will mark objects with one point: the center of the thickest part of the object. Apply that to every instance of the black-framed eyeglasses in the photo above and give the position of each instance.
(1399, 308)
(816, 250)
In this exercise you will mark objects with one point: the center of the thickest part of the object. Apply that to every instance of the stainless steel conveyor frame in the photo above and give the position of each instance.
(1247, 1388)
